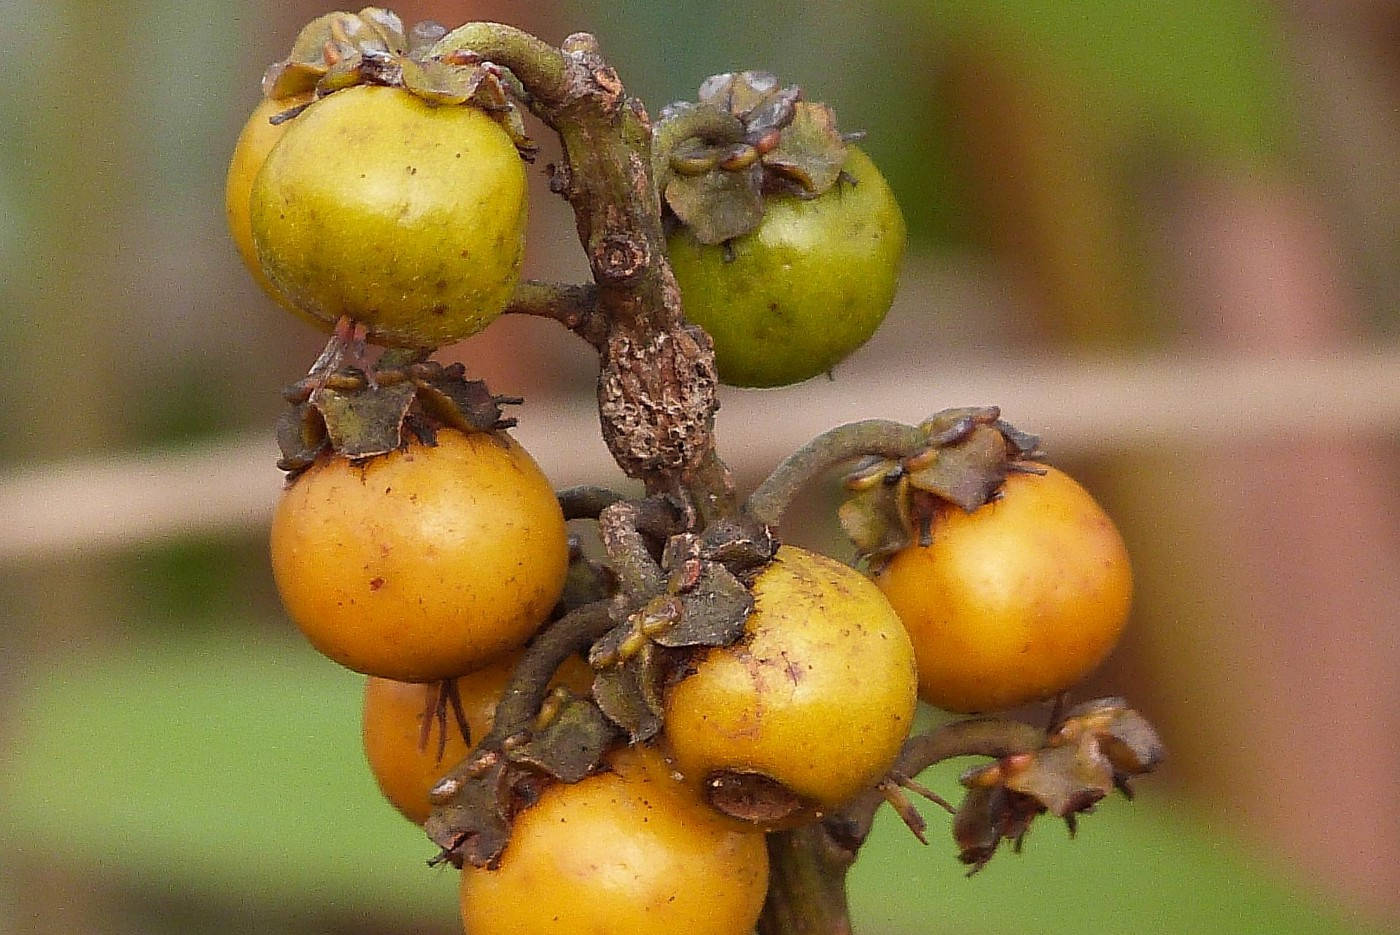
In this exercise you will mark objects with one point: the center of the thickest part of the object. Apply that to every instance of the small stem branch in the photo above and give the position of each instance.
(627, 550)
(993, 737)
(540, 67)
(573, 306)
(872, 437)
(529, 683)
(586, 501)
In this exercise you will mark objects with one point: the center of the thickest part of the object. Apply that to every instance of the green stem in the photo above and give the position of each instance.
(993, 737)
(627, 551)
(573, 306)
(586, 501)
(808, 865)
(540, 67)
(806, 884)
(529, 682)
(872, 437)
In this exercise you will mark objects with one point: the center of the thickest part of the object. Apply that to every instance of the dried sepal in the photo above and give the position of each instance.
(1091, 752)
(893, 503)
(445, 394)
(966, 474)
(717, 205)
(987, 816)
(472, 815)
(810, 150)
(366, 422)
(740, 92)
(359, 414)
(1124, 736)
(872, 515)
(386, 27)
(326, 43)
(628, 693)
(301, 436)
(713, 611)
(571, 744)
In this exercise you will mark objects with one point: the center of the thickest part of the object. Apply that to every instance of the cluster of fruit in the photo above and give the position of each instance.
(603, 744)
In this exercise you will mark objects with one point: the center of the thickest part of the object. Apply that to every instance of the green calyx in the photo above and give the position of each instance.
(747, 135)
(341, 50)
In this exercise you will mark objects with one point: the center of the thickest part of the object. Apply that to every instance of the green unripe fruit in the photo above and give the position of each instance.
(407, 216)
(805, 288)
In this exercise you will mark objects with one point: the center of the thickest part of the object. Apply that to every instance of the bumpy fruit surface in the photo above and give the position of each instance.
(255, 141)
(407, 216)
(403, 765)
(626, 852)
(1015, 601)
(809, 285)
(818, 694)
(425, 563)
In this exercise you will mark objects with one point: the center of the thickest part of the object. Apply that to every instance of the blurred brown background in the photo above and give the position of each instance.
(1164, 236)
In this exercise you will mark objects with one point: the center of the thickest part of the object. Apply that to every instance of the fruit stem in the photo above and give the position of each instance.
(981, 736)
(540, 67)
(872, 437)
(806, 884)
(808, 865)
(573, 306)
(529, 682)
(627, 551)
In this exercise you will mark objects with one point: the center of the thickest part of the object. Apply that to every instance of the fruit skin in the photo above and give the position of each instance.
(626, 852)
(392, 725)
(255, 141)
(407, 216)
(1016, 601)
(424, 563)
(804, 289)
(818, 694)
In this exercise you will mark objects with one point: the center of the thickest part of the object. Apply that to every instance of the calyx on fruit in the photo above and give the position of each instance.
(360, 413)
(755, 136)
(340, 50)
(970, 452)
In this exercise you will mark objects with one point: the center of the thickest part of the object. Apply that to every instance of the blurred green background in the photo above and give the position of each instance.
(1168, 230)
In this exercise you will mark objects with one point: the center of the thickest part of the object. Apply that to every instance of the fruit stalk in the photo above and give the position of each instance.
(858, 439)
(982, 736)
(806, 883)
(808, 865)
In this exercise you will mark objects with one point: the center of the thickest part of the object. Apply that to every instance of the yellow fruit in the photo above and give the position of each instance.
(1015, 601)
(626, 852)
(406, 216)
(425, 563)
(818, 694)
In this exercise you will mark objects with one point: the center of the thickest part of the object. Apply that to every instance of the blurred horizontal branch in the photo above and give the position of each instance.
(1170, 402)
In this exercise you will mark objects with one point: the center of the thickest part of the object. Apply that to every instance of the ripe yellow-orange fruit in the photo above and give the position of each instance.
(818, 694)
(626, 852)
(425, 563)
(1015, 601)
